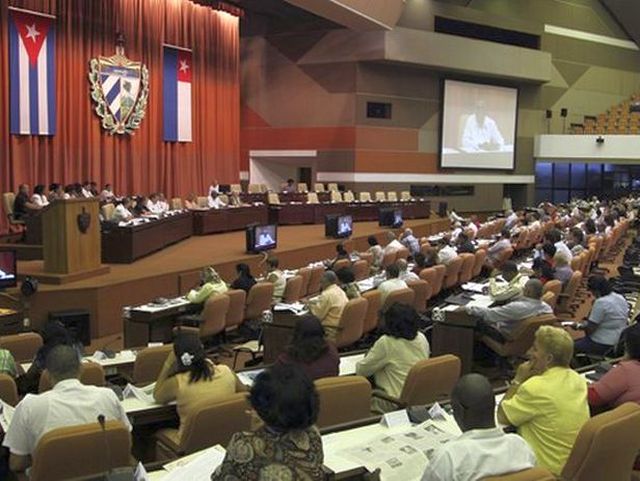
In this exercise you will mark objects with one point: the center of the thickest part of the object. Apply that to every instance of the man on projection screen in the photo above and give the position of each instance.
(481, 131)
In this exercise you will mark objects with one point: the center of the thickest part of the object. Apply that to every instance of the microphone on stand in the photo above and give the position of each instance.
(120, 474)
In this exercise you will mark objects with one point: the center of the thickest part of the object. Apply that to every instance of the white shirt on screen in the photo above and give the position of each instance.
(265, 239)
(475, 134)
(69, 403)
(4, 275)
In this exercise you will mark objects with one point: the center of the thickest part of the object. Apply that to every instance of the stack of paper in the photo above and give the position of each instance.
(295, 307)
(144, 394)
(199, 467)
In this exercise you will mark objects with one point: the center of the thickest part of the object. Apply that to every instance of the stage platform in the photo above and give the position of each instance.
(175, 270)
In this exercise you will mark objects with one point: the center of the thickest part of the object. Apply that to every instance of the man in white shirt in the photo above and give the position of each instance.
(122, 213)
(215, 202)
(69, 403)
(410, 241)
(405, 274)
(481, 131)
(393, 282)
(153, 204)
(86, 190)
(107, 194)
(446, 253)
(393, 244)
(483, 450)
(214, 187)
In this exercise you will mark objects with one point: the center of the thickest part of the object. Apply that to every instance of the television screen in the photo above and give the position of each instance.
(8, 268)
(390, 217)
(338, 226)
(261, 238)
(478, 125)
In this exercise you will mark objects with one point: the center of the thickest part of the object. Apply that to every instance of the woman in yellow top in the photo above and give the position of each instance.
(210, 283)
(188, 377)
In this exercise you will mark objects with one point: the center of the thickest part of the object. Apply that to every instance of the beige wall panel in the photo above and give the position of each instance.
(608, 81)
(356, 14)
(398, 81)
(524, 163)
(591, 53)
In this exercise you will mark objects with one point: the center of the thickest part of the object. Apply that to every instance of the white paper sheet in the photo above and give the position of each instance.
(197, 468)
(348, 364)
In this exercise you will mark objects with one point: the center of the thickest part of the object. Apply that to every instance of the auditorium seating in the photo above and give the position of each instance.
(466, 269)
(422, 292)
(91, 374)
(258, 300)
(343, 399)
(521, 339)
(405, 195)
(403, 296)
(360, 269)
(176, 203)
(318, 187)
(392, 196)
(293, 289)
(374, 299)
(23, 347)
(481, 257)
(312, 198)
(148, 364)
(107, 211)
(235, 313)
(364, 197)
(379, 196)
(452, 273)
(336, 196)
(303, 188)
(348, 196)
(351, 324)
(203, 201)
(341, 264)
(618, 120)
(78, 452)
(235, 188)
(313, 286)
(8, 389)
(389, 258)
(214, 316)
(332, 187)
(567, 297)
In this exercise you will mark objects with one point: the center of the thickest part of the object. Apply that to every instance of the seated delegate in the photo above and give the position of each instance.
(515, 282)
(286, 445)
(547, 400)
(483, 449)
(394, 354)
(210, 284)
(328, 306)
(276, 277)
(245, 281)
(391, 283)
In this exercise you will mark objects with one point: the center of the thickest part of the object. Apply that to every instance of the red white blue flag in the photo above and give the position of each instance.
(32, 73)
(177, 95)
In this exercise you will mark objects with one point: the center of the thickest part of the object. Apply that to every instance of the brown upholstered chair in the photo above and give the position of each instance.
(392, 196)
(364, 197)
(374, 299)
(343, 399)
(402, 253)
(428, 381)
(366, 256)
(176, 203)
(305, 273)
(429, 274)
(521, 339)
(312, 198)
(340, 264)
(8, 199)
(554, 287)
(436, 288)
(210, 423)
(149, 362)
(313, 287)
(360, 269)
(351, 322)
(91, 374)
(403, 296)
(214, 315)
(466, 270)
(606, 446)
(258, 300)
(293, 289)
(235, 313)
(453, 273)
(550, 299)
(503, 257)
(566, 298)
(8, 390)
(23, 347)
(533, 474)
(389, 258)
(57, 455)
(422, 292)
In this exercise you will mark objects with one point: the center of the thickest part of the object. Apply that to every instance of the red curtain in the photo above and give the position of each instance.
(143, 162)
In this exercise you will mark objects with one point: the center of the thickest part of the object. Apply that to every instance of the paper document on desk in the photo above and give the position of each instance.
(198, 467)
(6, 415)
(295, 307)
(348, 364)
(248, 377)
(366, 284)
(144, 394)
(474, 287)
(480, 300)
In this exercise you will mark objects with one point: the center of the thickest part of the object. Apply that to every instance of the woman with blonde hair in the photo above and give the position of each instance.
(210, 284)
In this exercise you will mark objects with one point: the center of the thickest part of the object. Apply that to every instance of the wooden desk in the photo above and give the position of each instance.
(228, 219)
(455, 336)
(124, 245)
(277, 335)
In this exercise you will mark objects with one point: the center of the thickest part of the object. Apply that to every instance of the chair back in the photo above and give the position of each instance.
(224, 198)
(360, 269)
(422, 291)
(565, 301)
(318, 187)
(91, 374)
(305, 273)
(312, 198)
(273, 198)
(374, 299)
(235, 188)
(606, 446)
(213, 423)
(348, 196)
(258, 300)
(203, 201)
(576, 263)
(332, 187)
(57, 455)
(23, 347)
(403, 296)
(439, 280)
(521, 338)
(431, 380)
(380, 197)
(235, 313)
(293, 289)
(176, 203)
(402, 253)
(466, 270)
(8, 389)
(8, 199)
(405, 195)
(341, 264)
(351, 324)
(452, 274)
(336, 196)
(343, 399)
(365, 197)
(550, 299)
(254, 189)
(533, 474)
(503, 256)
(389, 258)
(107, 211)
(214, 315)
(553, 287)
(303, 188)
(392, 196)
(313, 287)
(481, 257)
(149, 362)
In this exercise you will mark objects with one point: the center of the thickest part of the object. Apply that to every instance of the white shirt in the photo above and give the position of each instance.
(393, 246)
(409, 276)
(40, 200)
(390, 285)
(562, 247)
(215, 203)
(478, 454)
(86, 194)
(106, 195)
(473, 228)
(446, 255)
(475, 134)
(265, 239)
(69, 403)
(214, 188)
(121, 213)
(3, 274)
(154, 207)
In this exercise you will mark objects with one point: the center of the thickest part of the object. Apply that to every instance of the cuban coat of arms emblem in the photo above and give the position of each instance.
(120, 90)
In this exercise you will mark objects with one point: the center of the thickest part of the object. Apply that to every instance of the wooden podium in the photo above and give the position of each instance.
(71, 241)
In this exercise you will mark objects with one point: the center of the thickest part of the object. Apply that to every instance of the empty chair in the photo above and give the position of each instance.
(336, 196)
(402, 253)
(8, 390)
(403, 296)
(235, 313)
(364, 197)
(312, 198)
(392, 196)
(254, 189)
(203, 201)
(302, 187)
(273, 198)
(293, 289)
(176, 203)
(343, 399)
(566, 298)
(91, 374)
(23, 347)
(210, 423)
(318, 187)
(405, 195)
(481, 257)
(436, 288)
(360, 269)
(466, 270)
(351, 324)
(258, 300)
(422, 292)
(235, 188)
(8, 199)
(305, 273)
(214, 315)
(107, 211)
(374, 299)
(313, 287)
(533, 474)
(428, 381)
(606, 446)
(58, 453)
(332, 187)
(380, 197)
(149, 362)
(348, 196)
(452, 273)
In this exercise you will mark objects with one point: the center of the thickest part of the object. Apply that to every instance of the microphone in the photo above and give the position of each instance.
(110, 354)
(124, 474)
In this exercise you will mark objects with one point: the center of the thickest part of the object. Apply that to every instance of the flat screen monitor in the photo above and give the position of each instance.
(478, 125)
(390, 217)
(260, 238)
(8, 268)
(338, 226)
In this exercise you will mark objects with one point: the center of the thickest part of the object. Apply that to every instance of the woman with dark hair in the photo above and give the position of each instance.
(376, 251)
(348, 282)
(287, 445)
(39, 196)
(245, 280)
(341, 253)
(542, 270)
(310, 350)
(394, 353)
(189, 377)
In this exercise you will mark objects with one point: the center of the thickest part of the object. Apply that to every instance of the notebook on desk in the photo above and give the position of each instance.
(459, 299)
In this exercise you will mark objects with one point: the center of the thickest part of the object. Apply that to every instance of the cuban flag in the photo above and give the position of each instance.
(177, 95)
(32, 74)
